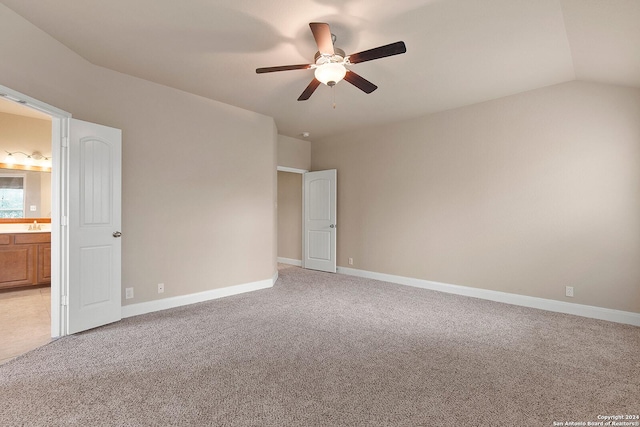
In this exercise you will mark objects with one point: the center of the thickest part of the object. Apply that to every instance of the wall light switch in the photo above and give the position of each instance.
(33, 208)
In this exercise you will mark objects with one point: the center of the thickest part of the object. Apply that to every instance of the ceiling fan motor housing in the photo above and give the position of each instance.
(337, 57)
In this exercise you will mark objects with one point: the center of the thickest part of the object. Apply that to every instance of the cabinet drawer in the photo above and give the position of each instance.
(21, 239)
(5, 239)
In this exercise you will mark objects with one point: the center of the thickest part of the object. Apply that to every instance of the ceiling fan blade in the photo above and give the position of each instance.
(309, 90)
(378, 52)
(360, 82)
(283, 68)
(322, 34)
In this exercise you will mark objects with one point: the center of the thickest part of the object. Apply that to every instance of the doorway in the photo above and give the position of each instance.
(25, 228)
(307, 218)
(58, 120)
(290, 217)
(86, 217)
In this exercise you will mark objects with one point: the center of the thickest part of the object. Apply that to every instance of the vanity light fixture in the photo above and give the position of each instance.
(44, 161)
(34, 159)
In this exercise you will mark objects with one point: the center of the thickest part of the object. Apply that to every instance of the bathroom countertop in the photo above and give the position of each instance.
(23, 228)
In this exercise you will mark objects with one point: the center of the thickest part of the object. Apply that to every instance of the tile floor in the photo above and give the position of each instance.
(25, 321)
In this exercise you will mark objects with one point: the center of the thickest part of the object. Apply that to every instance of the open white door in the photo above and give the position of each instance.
(319, 234)
(94, 223)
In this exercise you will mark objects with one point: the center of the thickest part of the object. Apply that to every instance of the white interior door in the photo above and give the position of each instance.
(94, 222)
(319, 234)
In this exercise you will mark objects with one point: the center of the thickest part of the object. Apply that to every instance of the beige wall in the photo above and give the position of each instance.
(45, 194)
(290, 215)
(26, 134)
(525, 194)
(199, 176)
(294, 153)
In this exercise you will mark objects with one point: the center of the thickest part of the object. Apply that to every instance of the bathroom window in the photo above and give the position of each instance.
(11, 196)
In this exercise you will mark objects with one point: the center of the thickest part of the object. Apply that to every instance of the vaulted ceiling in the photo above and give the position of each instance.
(459, 52)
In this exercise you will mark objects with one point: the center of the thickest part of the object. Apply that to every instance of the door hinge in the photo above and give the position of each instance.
(65, 141)
(64, 300)
(63, 221)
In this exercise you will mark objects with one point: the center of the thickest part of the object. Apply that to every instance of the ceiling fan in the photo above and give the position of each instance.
(331, 63)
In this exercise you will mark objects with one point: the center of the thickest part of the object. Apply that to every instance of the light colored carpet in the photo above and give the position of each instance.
(321, 349)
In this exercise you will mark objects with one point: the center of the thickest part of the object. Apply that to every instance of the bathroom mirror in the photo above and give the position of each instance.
(25, 194)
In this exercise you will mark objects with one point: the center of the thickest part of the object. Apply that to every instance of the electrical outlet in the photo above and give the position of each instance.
(350, 261)
(160, 288)
(569, 291)
(128, 293)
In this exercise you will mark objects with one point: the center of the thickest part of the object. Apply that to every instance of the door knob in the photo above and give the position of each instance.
(117, 234)
(332, 226)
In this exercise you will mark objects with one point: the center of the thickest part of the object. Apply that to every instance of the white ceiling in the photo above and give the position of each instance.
(459, 52)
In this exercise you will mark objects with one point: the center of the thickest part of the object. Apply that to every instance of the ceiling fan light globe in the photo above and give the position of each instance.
(330, 73)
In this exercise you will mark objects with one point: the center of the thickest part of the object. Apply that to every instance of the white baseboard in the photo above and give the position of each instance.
(593, 312)
(172, 302)
(296, 262)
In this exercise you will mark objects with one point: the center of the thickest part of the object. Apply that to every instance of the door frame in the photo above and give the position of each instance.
(59, 205)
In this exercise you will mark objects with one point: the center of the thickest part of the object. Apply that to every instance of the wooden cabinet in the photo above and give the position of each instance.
(16, 266)
(25, 259)
(44, 263)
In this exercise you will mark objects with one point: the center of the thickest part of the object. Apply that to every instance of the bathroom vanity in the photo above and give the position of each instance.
(25, 257)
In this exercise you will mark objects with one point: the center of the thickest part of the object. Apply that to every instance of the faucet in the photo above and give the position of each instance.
(35, 226)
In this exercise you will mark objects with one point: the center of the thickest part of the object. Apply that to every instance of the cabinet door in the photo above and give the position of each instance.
(17, 266)
(44, 264)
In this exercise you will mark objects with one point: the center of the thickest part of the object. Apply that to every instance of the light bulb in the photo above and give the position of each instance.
(28, 161)
(330, 73)
(10, 159)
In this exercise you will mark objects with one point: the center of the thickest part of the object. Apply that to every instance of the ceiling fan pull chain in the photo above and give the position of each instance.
(333, 93)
